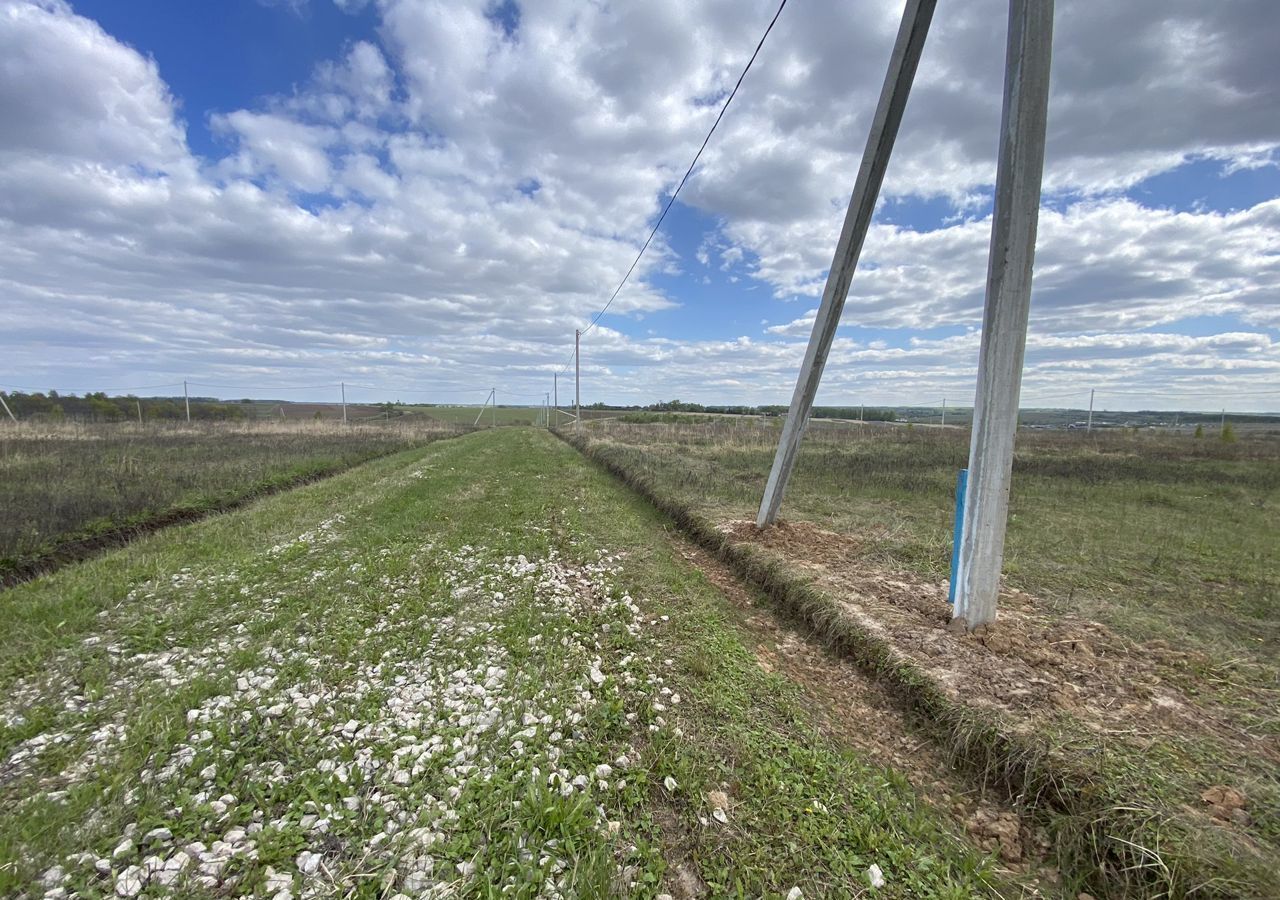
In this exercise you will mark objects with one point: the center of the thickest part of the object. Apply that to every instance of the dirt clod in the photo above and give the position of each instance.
(1226, 804)
(997, 831)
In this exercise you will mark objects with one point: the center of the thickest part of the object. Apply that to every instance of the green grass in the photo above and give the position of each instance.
(505, 415)
(418, 654)
(63, 484)
(1159, 537)
(1103, 787)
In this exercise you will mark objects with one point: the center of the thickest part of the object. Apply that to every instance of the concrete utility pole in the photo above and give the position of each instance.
(344, 403)
(577, 381)
(944, 412)
(139, 405)
(1089, 426)
(1004, 325)
(480, 415)
(186, 400)
(7, 409)
(875, 159)
(493, 418)
(546, 410)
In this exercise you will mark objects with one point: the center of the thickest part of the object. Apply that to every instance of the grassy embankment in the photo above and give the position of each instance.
(69, 489)
(1169, 539)
(478, 666)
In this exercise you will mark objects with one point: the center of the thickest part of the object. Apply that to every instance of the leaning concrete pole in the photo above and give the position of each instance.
(1004, 321)
(577, 382)
(7, 409)
(875, 159)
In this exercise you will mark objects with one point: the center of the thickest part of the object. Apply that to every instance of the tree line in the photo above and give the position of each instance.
(98, 407)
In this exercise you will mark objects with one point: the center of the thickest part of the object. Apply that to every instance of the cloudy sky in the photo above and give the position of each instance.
(427, 197)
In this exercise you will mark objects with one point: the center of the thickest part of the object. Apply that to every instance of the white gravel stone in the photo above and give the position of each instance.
(308, 863)
(130, 882)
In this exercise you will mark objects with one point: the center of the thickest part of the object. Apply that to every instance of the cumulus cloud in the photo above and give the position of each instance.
(445, 204)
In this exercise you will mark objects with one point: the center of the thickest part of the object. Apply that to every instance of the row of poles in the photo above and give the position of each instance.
(1015, 217)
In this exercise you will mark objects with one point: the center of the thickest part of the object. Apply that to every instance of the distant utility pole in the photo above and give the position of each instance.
(1004, 326)
(1089, 426)
(875, 159)
(944, 412)
(546, 410)
(577, 381)
(139, 405)
(493, 418)
(480, 415)
(344, 403)
(1222, 426)
(7, 409)
(186, 400)
(555, 395)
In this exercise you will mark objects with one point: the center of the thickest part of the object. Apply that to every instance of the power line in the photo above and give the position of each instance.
(377, 387)
(254, 387)
(687, 173)
(141, 387)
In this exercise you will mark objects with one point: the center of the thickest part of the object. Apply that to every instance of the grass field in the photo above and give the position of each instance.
(1169, 543)
(60, 484)
(1158, 536)
(505, 415)
(474, 669)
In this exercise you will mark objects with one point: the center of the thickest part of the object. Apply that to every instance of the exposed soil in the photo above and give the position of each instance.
(855, 709)
(1042, 668)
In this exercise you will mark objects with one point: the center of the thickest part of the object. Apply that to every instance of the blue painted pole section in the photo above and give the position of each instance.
(962, 484)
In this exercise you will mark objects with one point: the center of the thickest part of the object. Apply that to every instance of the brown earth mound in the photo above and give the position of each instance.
(1037, 667)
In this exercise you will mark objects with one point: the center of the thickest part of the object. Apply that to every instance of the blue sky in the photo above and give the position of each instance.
(406, 193)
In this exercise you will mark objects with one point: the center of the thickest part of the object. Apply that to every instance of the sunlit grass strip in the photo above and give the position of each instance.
(430, 676)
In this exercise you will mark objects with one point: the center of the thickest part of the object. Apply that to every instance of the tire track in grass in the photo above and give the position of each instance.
(453, 686)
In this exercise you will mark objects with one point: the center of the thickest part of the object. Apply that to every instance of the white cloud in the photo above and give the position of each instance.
(447, 204)
(69, 90)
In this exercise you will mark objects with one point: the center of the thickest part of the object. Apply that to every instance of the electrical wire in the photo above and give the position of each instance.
(687, 173)
(143, 387)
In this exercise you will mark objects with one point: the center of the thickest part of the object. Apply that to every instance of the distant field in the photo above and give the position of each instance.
(506, 415)
(64, 483)
(1158, 535)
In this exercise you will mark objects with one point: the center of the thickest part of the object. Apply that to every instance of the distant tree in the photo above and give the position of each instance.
(1228, 435)
(1200, 431)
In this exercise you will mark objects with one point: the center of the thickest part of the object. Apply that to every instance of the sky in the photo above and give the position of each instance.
(425, 198)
